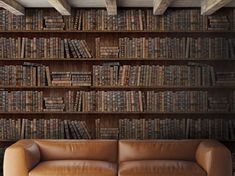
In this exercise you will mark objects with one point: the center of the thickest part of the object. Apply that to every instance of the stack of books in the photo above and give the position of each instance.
(219, 104)
(195, 48)
(54, 23)
(61, 79)
(218, 23)
(81, 78)
(71, 78)
(109, 51)
(54, 104)
(49, 48)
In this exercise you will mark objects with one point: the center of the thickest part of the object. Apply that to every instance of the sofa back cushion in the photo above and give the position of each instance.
(103, 150)
(130, 150)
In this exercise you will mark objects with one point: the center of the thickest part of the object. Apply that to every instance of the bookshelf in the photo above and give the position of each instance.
(210, 43)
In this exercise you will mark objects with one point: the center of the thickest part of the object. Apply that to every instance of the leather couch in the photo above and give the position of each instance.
(123, 158)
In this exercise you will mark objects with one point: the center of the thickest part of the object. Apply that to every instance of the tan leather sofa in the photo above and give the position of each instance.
(123, 158)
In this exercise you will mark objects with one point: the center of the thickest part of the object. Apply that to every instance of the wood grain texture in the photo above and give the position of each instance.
(12, 6)
(120, 3)
(62, 6)
(208, 7)
(160, 6)
(111, 6)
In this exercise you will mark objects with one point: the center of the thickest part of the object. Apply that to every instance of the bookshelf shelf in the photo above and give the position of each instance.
(119, 59)
(122, 87)
(117, 31)
(122, 113)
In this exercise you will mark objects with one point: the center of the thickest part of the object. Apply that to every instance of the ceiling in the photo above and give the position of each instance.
(120, 3)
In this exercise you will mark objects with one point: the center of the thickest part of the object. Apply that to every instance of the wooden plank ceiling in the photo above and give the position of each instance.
(159, 6)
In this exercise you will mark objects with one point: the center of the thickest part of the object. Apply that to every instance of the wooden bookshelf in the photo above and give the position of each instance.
(121, 87)
(119, 59)
(111, 38)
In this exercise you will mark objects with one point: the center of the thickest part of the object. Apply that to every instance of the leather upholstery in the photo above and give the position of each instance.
(160, 168)
(214, 158)
(130, 150)
(20, 158)
(74, 167)
(103, 150)
(100, 158)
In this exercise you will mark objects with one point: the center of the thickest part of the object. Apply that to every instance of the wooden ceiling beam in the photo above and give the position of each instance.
(160, 6)
(12, 6)
(208, 7)
(111, 6)
(62, 6)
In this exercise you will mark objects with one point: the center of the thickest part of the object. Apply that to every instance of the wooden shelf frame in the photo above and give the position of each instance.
(122, 113)
(119, 59)
(122, 87)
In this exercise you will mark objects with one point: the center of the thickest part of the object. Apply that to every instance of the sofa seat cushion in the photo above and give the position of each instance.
(74, 167)
(160, 168)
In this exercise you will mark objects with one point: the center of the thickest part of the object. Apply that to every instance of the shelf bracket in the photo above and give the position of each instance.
(208, 7)
(62, 6)
(13, 7)
(160, 6)
(111, 6)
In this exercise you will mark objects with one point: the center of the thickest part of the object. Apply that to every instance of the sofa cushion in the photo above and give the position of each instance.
(132, 150)
(160, 168)
(102, 150)
(74, 167)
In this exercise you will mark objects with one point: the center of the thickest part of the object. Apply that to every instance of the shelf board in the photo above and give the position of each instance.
(116, 59)
(11, 141)
(232, 86)
(123, 113)
(114, 31)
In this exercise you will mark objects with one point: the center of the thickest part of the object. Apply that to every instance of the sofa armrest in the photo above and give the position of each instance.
(214, 158)
(20, 158)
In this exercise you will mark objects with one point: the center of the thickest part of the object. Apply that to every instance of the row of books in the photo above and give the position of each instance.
(193, 74)
(52, 47)
(14, 129)
(195, 48)
(137, 101)
(28, 74)
(125, 20)
(168, 129)
(114, 101)
(21, 101)
(156, 128)
(113, 74)
(71, 78)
